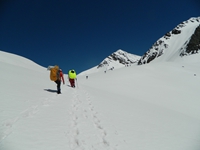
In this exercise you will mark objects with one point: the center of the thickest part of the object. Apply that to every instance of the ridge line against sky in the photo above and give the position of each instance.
(80, 34)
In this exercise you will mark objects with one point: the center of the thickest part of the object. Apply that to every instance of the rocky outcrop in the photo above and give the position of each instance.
(121, 57)
(191, 45)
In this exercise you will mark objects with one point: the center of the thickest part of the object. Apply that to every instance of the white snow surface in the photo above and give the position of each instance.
(147, 107)
(176, 42)
(169, 48)
(109, 64)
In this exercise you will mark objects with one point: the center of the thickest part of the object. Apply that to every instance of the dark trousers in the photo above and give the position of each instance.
(58, 82)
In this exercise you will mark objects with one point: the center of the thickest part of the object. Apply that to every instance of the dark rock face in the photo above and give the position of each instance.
(175, 31)
(120, 57)
(155, 51)
(193, 46)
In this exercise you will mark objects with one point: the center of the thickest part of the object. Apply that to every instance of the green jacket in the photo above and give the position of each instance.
(72, 74)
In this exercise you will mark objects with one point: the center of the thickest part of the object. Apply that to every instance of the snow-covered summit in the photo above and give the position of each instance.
(119, 57)
(116, 60)
(183, 40)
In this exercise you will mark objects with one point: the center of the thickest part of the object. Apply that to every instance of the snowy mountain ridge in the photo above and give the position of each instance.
(116, 60)
(183, 40)
(122, 57)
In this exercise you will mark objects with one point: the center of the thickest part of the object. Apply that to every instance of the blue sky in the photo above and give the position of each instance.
(79, 34)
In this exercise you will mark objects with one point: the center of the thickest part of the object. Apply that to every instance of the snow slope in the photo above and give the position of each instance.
(116, 60)
(173, 44)
(177, 42)
(148, 107)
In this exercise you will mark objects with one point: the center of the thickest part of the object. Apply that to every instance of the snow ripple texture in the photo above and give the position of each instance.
(7, 126)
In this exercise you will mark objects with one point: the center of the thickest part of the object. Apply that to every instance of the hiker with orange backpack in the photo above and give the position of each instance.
(57, 76)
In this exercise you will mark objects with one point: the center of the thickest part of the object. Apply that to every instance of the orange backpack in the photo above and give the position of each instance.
(54, 73)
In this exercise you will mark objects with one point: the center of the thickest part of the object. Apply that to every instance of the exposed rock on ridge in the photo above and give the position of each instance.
(119, 57)
(191, 45)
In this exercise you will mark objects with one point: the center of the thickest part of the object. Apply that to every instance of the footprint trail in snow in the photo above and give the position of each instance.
(86, 129)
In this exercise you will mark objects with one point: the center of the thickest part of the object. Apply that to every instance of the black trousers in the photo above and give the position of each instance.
(58, 82)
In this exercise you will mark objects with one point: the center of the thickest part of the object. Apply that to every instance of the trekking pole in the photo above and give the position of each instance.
(76, 82)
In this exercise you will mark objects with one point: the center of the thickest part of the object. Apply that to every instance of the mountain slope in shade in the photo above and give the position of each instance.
(12, 59)
(116, 60)
(182, 40)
